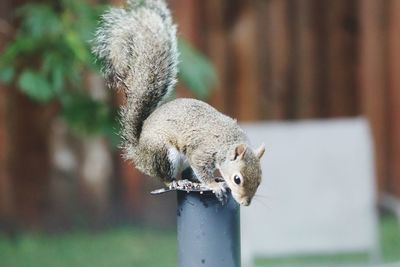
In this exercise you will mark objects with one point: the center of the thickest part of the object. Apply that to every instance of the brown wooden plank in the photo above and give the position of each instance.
(341, 58)
(279, 58)
(25, 157)
(30, 183)
(372, 80)
(394, 94)
(5, 190)
(318, 12)
(4, 178)
(305, 63)
(187, 16)
(217, 48)
(245, 73)
(275, 58)
(264, 66)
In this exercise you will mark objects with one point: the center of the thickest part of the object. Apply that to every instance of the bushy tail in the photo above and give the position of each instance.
(138, 48)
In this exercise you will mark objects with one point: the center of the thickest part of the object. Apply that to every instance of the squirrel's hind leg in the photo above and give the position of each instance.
(157, 160)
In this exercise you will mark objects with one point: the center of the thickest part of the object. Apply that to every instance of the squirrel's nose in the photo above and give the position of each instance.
(246, 202)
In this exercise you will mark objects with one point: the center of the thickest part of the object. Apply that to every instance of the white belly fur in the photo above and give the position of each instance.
(178, 160)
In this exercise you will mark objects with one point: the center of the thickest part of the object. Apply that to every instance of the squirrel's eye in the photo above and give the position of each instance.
(236, 179)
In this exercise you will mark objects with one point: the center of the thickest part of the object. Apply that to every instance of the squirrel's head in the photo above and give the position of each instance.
(242, 172)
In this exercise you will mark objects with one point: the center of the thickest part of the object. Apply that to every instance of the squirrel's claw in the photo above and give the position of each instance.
(220, 190)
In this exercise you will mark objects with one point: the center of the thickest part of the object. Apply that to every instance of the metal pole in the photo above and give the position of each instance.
(208, 231)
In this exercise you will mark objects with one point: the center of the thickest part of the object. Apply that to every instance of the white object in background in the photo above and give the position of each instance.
(317, 193)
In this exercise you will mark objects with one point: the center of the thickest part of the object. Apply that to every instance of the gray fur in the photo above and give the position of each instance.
(139, 51)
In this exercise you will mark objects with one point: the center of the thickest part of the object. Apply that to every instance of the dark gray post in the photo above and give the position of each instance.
(208, 231)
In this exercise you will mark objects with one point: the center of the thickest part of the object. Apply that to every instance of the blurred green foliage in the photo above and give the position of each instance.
(195, 70)
(50, 58)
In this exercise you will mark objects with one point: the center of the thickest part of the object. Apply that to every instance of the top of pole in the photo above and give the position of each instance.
(182, 185)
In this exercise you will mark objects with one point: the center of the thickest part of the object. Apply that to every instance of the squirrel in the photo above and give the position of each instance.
(138, 48)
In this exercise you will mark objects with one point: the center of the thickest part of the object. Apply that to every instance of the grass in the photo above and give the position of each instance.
(314, 259)
(390, 238)
(132, 246)
(116, 247)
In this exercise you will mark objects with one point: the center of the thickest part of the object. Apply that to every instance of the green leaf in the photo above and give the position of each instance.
(35, 86)
(195, 70)
(87, 19)
(55, 67)
(77, 46)
(22, 45)
(88, 116)
(6, 74)
(57, 78)
(39, 20)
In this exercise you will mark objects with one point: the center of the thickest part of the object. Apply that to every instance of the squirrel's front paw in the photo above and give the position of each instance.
(220, 190)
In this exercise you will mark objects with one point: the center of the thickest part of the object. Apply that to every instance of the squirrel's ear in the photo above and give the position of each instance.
(239, 151)
(260, 151)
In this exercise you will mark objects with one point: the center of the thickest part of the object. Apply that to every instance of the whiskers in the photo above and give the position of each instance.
(262, 199)
(262, 196)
